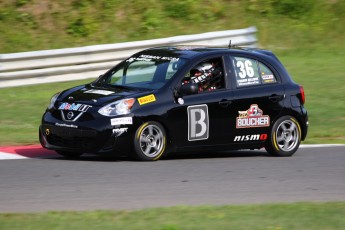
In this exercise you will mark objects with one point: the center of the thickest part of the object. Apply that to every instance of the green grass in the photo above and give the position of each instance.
(27, 25)
(304, 216)
(22, 109)
(322, 74)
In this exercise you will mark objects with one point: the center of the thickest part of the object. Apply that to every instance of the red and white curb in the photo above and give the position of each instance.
(25, 152)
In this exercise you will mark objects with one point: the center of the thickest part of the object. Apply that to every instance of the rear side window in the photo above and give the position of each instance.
(250, 72)
(267, 76)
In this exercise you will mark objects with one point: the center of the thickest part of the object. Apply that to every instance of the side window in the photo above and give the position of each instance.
(208, 74)
(267, 76)
(115, 76)
(251, 72)
(172, 68)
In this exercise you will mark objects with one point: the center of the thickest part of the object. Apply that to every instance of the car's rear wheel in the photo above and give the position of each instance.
(285, 137)
(150, 141)
(69, 155)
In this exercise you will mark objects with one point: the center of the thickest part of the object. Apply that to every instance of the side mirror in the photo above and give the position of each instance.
(189, 88)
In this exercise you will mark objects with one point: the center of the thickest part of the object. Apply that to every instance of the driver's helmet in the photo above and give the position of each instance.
(201, 72)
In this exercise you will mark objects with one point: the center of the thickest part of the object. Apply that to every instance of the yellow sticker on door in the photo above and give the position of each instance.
(147, 99)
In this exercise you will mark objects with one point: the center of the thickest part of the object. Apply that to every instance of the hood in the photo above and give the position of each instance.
(98, 96)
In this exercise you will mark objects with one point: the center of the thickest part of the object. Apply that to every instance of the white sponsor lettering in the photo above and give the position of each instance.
(252, 122)
(253, 137)
(120, 130)
(121, 121)
(144, 57)
(65, 125)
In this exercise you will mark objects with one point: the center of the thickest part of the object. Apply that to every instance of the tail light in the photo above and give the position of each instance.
(301, 89)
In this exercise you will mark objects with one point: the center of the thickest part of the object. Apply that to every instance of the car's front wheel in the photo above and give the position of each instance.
(150, 141)
(285, 137)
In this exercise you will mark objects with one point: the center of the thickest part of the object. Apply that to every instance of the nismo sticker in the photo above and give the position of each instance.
(147, 99)
(253, 137)
(74, 107)
(252, 118)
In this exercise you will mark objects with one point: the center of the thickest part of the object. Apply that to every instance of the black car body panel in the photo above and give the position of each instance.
(254, 91)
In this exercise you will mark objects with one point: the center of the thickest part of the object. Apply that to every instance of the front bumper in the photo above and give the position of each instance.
(85, 137)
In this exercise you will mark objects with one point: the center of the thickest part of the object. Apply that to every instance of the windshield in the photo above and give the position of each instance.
(144, 71)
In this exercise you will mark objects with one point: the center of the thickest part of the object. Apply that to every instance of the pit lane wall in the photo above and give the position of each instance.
(44, 66)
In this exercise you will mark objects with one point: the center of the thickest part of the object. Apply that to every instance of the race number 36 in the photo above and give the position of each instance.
(198, 122)
(246, 69)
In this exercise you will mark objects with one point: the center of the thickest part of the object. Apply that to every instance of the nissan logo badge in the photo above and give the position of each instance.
(70, 115)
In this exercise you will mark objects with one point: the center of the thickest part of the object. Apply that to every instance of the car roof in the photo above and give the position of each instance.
(190, 52)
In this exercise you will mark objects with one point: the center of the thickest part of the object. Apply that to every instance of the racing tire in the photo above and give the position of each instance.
(149, 141)
(69, 155)
(285, 137)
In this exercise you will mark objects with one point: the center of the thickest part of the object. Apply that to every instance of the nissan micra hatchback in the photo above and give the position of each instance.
(169, 99)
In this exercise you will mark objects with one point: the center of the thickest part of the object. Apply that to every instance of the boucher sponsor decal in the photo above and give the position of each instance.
(122, 121)
(74, 107)
(252, 118)
(253, 137)
(198, 122)
(147, 99)
(98, 91)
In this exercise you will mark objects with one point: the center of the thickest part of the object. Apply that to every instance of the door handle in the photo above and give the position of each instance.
(225, 103)
(276, 98)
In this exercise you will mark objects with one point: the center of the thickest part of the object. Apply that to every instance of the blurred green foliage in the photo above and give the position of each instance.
(287, 8)
(27, 25)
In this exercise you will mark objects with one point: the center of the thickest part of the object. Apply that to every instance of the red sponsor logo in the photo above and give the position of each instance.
(251, 118)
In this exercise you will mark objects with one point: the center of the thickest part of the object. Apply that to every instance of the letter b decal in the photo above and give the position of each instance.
(198, 123)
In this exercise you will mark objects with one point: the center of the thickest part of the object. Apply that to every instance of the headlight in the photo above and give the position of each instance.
(52, 101)
(117, 108)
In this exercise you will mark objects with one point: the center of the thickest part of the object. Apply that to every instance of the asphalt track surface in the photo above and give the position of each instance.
(29, 183)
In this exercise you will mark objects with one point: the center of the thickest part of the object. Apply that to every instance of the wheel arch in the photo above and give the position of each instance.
(163, 122)
(300, 119)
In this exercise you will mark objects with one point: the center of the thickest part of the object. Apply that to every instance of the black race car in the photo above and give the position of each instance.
(169, 99)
